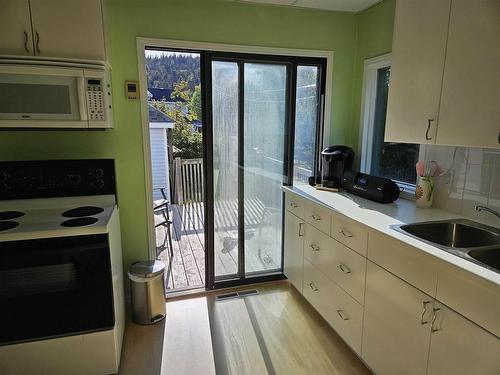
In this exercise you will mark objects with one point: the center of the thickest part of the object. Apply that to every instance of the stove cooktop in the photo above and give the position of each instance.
(83, 211)
(6, 225)
(80, 222)
(9, 215)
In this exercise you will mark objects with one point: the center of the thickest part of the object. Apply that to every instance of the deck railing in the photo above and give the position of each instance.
(188, 180)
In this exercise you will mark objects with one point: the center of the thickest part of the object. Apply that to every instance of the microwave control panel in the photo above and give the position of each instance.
(95, 99)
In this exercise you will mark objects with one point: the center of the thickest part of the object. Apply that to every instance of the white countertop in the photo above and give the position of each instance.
(380, 217)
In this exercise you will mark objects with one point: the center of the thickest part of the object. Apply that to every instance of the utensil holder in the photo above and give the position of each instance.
(424, 191)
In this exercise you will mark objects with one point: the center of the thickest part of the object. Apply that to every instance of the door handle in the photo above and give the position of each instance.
(37, 42)
(314, 247)
(301, 233)
(429, 122)
(435, 310)
(313, 287)
(294, 205)
(424, 310)
(344, 268)
(342, 315)
(26, 41)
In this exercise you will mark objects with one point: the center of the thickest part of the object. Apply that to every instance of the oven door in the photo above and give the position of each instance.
(55, 287)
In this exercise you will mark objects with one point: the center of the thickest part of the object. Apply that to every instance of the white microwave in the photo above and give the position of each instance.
(44, 96)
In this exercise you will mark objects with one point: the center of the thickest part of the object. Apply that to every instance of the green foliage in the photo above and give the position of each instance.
(195, 103)
(188, 142)
(167, 70)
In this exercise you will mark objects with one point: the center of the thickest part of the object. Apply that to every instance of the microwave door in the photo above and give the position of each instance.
(31, 100)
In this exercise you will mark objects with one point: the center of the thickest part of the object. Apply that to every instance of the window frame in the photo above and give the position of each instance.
(368, 102)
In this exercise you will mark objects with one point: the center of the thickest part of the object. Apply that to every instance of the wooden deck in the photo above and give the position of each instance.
(186, 269)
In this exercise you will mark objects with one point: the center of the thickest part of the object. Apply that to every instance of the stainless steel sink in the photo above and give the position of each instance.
(467, 239)
(454, 233)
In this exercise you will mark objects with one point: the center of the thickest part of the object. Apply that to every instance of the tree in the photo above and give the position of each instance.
(195, 103)
(188, 142)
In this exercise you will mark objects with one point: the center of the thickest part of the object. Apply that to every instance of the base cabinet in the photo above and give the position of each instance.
(294, 250)
(458, 346)
(396, 331)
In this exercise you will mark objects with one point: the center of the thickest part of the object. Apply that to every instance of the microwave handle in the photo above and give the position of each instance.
(82, 98)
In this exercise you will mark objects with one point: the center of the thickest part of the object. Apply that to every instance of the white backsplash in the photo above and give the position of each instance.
(471, 176)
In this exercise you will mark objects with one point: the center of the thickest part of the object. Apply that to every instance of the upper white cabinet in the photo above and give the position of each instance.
(15, 28)
(418, 54)
(445, 82)
(67, 29)
(470, 104)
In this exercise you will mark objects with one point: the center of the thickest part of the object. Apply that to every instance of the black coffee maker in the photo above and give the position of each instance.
(335, 160)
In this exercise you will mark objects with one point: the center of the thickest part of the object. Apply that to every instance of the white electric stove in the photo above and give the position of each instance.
(61, 276)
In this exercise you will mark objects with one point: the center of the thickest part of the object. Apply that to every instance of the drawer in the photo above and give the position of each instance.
(350, 233)
(295, 204)
(408, 263)
(339, 263)
(318, 216)
(470, 295)
(340, 310)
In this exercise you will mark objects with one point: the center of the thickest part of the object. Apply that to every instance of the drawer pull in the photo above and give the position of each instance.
(342, 315)
(424, 310)
(314, 247)
(313, 287)
(344, 268)
(433, 329)
(301, 227)
(294, 205)
(345, 233)
(316, 217)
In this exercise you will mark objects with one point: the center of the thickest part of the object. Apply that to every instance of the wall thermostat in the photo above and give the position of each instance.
(131, 90)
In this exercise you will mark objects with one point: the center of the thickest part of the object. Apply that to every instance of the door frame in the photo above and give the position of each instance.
(200, 47)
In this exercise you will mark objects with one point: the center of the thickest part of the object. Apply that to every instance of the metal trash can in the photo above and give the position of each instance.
(148, 291)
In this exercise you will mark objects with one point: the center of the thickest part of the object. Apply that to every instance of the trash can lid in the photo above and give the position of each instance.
(147, 268)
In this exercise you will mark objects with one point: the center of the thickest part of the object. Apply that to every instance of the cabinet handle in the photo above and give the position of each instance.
(26, 41)
(424, 310)
(314, 247)
(37, 42)
(344, 268)
(313, 287)
(301, 233)
(342, 315)
(316, 217)
(435, 310)
(345, 233)
(429, 122)
(294, 205)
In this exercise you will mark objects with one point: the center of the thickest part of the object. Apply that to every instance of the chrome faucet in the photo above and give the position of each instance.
(487, 209)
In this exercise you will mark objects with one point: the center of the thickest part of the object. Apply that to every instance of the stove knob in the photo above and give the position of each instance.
(99, 183)
(98, 173)
(3, 176)
(4, 188)
(74, 179)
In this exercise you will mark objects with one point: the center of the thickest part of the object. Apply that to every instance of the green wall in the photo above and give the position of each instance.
(375, 26)
(211, 21)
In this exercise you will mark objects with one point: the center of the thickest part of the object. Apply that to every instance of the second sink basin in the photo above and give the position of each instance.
(490, 257)
(458, 233)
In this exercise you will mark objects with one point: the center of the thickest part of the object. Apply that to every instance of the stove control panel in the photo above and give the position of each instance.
(56, 178)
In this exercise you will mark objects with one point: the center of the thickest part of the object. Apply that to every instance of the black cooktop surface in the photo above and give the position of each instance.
(80, 222)
(9, 215)
(6, 225)
(83, 211)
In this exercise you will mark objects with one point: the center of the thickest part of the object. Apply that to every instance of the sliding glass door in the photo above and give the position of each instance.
(254, 103)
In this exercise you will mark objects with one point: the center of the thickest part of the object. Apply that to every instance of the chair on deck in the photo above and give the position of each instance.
(163, 208)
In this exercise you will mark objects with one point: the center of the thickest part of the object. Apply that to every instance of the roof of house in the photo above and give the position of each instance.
(155, 115)
(161, 94)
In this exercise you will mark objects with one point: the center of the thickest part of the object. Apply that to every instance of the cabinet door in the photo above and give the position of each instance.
(469, 113)
(15, 28)
(418, 54)
(458, 346)
(396, 329)
(68, 29)
(294, 252)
